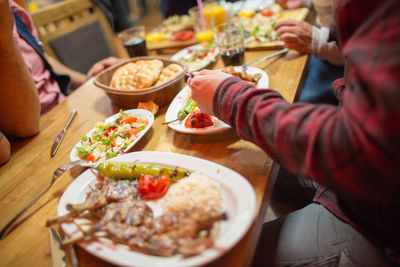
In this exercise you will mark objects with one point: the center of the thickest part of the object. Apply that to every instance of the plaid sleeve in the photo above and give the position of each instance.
(344, 148)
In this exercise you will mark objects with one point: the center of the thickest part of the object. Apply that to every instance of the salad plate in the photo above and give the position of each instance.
(126, 128)
(197, 57)
(238, 202)
(183, 96)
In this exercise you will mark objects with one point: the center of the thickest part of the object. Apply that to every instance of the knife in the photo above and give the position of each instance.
(280, 52)
(57, 254)
(61, 135)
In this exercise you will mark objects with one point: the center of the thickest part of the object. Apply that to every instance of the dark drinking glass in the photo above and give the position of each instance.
(134, 41)
(233, 57)
(136, 47)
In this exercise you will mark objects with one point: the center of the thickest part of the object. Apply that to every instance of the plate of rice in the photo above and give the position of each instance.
(209, 185)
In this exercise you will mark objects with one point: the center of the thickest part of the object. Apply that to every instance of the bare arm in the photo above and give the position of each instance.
(4, 149)
(77, 78)
(19, 101)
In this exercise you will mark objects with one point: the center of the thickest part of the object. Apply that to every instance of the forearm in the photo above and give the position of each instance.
(77, 78)
(4, 149)
(19, 101)
(323, 49)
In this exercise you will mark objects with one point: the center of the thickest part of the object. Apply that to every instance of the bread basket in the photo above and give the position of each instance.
(161, 94)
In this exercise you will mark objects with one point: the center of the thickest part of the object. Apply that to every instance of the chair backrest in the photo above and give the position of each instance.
(76, 32)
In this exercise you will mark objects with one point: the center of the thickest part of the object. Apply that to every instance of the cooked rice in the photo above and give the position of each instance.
(197, 190)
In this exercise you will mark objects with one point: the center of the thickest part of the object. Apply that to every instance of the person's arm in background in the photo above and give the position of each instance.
(4, 149)
(78, 78)
(19, 101)
(303, 37)
(291, 4)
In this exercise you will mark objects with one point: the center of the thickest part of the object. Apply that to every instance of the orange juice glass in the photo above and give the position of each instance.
(205, 35)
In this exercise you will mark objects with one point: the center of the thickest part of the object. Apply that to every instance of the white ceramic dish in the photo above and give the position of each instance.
(134, 112)
(181, 98)
(239, 202)
(196, 65)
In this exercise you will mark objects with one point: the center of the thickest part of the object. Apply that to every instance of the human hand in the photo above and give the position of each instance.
(203, 85)
(102, 65)
(296, 34)
(290, 4)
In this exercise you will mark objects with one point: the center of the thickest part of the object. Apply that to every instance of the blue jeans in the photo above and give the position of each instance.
(312, 236)
(318, 83)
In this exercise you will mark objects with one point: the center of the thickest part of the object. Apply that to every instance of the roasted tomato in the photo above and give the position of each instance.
(183, 35)
(266, 12)
(152, 186)
(198, 119)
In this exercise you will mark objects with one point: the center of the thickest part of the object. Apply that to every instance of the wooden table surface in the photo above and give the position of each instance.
(30, 168)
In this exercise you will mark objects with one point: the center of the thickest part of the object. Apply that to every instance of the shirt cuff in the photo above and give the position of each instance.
(319, 37)
(307, 3)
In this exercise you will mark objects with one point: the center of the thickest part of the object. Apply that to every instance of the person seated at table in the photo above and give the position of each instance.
(19, 101)
(29, 85)
(51, 77)
(326, 60)
(351, 150)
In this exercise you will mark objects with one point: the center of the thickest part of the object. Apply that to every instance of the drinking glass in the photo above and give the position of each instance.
(134, 40)
(229, 38)
(203, 32)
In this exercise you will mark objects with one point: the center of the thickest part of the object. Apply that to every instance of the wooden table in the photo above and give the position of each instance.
(30, 168)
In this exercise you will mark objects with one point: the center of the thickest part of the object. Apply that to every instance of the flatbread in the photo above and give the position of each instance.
(137, 75)
(169, 72)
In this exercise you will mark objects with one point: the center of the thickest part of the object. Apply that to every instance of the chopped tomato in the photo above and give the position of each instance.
(128, 120)
(266, 12)
(142, 121)
(106, 132)
(183, 35)
(90, 158)
(113, 143)
(133, 131)
(152, 186)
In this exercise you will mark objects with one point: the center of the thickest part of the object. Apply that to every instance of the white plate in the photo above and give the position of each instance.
(192, 66)
(134, 112)
(239, 202)
(182, 97)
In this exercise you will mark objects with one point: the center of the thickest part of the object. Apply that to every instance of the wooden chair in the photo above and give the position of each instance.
(76, 32)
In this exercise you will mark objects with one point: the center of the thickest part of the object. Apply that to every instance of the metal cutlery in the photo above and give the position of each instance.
(280, 52)
(57, 253)
(60, 136)
(57, 173)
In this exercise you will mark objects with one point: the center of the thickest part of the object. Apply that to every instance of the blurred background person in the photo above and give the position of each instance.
(176, 7)
(326, 61)
(52, 79)
(19, 101)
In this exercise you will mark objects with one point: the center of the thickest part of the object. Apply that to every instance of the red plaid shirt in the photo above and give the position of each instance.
(353, 149)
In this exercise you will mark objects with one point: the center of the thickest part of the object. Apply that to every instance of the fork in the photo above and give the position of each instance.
(57, 173)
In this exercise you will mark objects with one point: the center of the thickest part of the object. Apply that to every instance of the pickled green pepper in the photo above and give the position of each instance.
(187, 109)
(132, 170)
